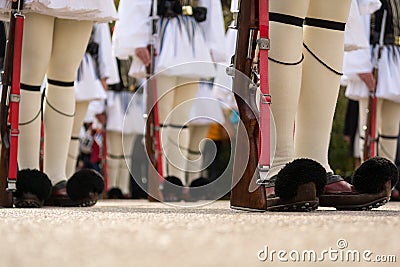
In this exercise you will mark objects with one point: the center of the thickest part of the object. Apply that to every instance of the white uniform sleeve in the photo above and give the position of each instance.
(368, 6)
(214, 29)
(133, 29)
(358, 61)
(107, 63)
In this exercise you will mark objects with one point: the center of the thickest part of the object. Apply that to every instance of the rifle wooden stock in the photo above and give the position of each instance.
(246, 194)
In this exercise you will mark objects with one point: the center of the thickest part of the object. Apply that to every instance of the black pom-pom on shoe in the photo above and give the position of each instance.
(33, 188)
(373, 174)
(297, 173)
(197, 190)
(85, 183)
(172, 189)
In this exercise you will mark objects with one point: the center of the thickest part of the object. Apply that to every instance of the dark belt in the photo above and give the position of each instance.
(119, 88)
(389, 39)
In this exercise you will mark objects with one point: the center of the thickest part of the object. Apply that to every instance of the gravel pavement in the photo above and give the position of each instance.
(139, 233)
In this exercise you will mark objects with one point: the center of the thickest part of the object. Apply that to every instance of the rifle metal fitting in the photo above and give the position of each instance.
(230, 71)
(397, 40)
(187, 10)
(15, 98)
(263, 43)
(11, 185)
(263, 168)
(265, 98)
(14, 132)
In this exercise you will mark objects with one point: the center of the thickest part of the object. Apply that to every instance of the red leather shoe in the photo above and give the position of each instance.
(60, 198)
(343, 196)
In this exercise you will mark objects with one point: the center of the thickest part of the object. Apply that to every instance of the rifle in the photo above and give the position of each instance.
(152, 135)
(9, 111)
(370, 136)
(253, 139)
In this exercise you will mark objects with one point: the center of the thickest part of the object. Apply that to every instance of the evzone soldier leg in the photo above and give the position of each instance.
(81, 108)
(119, 156)
(46, 40)
(194, 158)
(180, 40)
(388, 119)
(176, 130)
(372, 72)
(305, 64)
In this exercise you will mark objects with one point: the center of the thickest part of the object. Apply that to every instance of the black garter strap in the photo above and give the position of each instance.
(320, 61)
(27, 87)
(326, 24)
(58, 111)
(387, 136)
(74, 137)
(286, 19)
(111, 156)
(193, 152)
(30, 121)
(60, 83)
(178, 126)
(287, 63)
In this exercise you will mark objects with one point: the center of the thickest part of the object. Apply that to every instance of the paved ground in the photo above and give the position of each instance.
(139, 233)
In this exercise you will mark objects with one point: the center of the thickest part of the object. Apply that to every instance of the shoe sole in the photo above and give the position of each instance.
(358, 201)
(364, 207)
(27, 203)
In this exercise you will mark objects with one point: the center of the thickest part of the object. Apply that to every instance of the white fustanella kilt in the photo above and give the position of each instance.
(95, 10)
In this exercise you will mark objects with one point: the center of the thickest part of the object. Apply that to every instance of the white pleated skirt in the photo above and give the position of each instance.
(88, 85)
(388, 77)
(93, 10)
(125, 112)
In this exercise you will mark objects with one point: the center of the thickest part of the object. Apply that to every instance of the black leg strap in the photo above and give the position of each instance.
(286, 19)
(178, 126)
(326, 24)
(193, 152)
(60, 83)
(27, 87)
(111, 156)
(393, 137)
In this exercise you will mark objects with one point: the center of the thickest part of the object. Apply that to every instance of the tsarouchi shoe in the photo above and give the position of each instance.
(296, 187)
(81, 190)
(371, 186)
(33, 188)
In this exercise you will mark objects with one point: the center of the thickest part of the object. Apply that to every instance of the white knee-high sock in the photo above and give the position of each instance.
(73, 152)
(389, 129)
(124, 163)
(285, 76)
(59, 108)
(195, 159)
(176, 152)
(320, 85)
(114, 154)
(29, 125)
